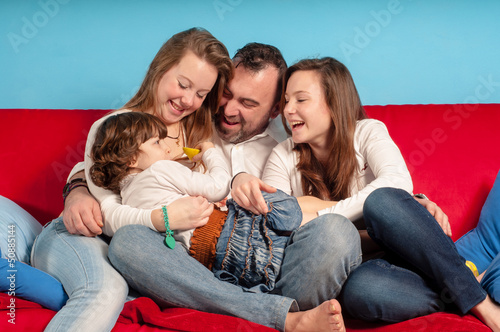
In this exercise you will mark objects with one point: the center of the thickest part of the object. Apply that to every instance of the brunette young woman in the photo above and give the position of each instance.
(340, 159)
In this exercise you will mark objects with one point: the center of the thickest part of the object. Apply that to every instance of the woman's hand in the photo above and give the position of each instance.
(437, 213)
(246, 191)
(184, 213)
(82, 213)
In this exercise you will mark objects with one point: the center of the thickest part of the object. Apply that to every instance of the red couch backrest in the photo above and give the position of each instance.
(451, 150)
(39, 149)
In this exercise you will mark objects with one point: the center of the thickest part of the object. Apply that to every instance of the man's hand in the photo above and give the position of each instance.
(437, 213)
(184, 213)
(247, 192)
(82, 214)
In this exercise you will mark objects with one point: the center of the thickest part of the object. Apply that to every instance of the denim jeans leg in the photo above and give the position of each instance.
(171, 277)
(404, 227)
(96, 291)
(15, 221)
(380, 291)
(319, 257)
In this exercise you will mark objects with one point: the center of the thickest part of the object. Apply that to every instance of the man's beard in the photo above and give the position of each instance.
(226, 134)
(239, 136)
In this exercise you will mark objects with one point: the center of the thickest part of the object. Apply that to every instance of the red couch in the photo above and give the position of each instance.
(451, 150)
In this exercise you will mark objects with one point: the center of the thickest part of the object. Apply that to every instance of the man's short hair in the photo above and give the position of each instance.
(256, 57)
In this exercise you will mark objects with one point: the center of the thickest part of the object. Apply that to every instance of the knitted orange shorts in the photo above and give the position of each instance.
(205, 238)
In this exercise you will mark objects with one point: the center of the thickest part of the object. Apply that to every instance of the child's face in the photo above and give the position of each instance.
(151, 151)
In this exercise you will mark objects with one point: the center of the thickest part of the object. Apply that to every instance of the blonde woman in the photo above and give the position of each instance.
(182, 88)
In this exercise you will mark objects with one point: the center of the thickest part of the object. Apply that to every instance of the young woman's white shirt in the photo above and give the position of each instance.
(380, 165)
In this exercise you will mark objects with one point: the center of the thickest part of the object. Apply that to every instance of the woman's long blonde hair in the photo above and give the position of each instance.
(331, 180)
(198, 125)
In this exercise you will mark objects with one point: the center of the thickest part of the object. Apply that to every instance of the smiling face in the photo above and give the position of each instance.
(306, 110)
(248, 104)
(183, 88)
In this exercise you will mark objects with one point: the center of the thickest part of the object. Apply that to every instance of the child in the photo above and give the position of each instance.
(130, 158)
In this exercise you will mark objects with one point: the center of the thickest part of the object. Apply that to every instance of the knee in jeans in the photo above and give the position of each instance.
(339, 235)
(124, 235)
(380, 197)
(128, 230)
(379, 202)
(112, 292)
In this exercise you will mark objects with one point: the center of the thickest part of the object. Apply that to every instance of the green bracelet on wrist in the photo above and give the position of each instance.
(169, 234)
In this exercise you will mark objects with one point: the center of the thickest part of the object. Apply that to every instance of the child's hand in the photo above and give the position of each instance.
(203, 148)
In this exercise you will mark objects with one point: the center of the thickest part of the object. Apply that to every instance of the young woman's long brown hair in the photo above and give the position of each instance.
(198, 125)
(333, 179)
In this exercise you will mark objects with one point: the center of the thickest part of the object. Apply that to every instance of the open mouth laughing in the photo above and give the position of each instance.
(228, 122)
(296, 124)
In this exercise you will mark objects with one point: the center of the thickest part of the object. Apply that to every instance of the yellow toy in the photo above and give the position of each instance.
(190, 152)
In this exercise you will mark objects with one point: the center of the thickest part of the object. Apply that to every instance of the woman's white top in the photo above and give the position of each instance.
(380, 165)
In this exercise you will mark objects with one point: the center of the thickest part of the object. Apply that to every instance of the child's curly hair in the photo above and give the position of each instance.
(117, 144)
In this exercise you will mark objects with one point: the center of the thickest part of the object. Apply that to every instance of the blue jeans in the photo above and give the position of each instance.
(96, 291)
(18, 232)
(316, 263)
(14, 220)
(422, 272)
(250, 248)
(482, 244)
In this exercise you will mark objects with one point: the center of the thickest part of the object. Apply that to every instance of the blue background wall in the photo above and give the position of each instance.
(94, 53)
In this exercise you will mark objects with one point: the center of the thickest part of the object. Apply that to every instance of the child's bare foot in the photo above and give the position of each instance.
(325, 317)
(489, 313)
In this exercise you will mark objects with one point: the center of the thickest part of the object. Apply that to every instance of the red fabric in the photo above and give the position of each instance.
(435, 322)
(145, 311)
(144, 315)
(452, 152)
(40, 147)
(22, 315)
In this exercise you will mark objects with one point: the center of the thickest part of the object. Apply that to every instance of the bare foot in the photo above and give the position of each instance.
(489, 313)
(325, 317)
